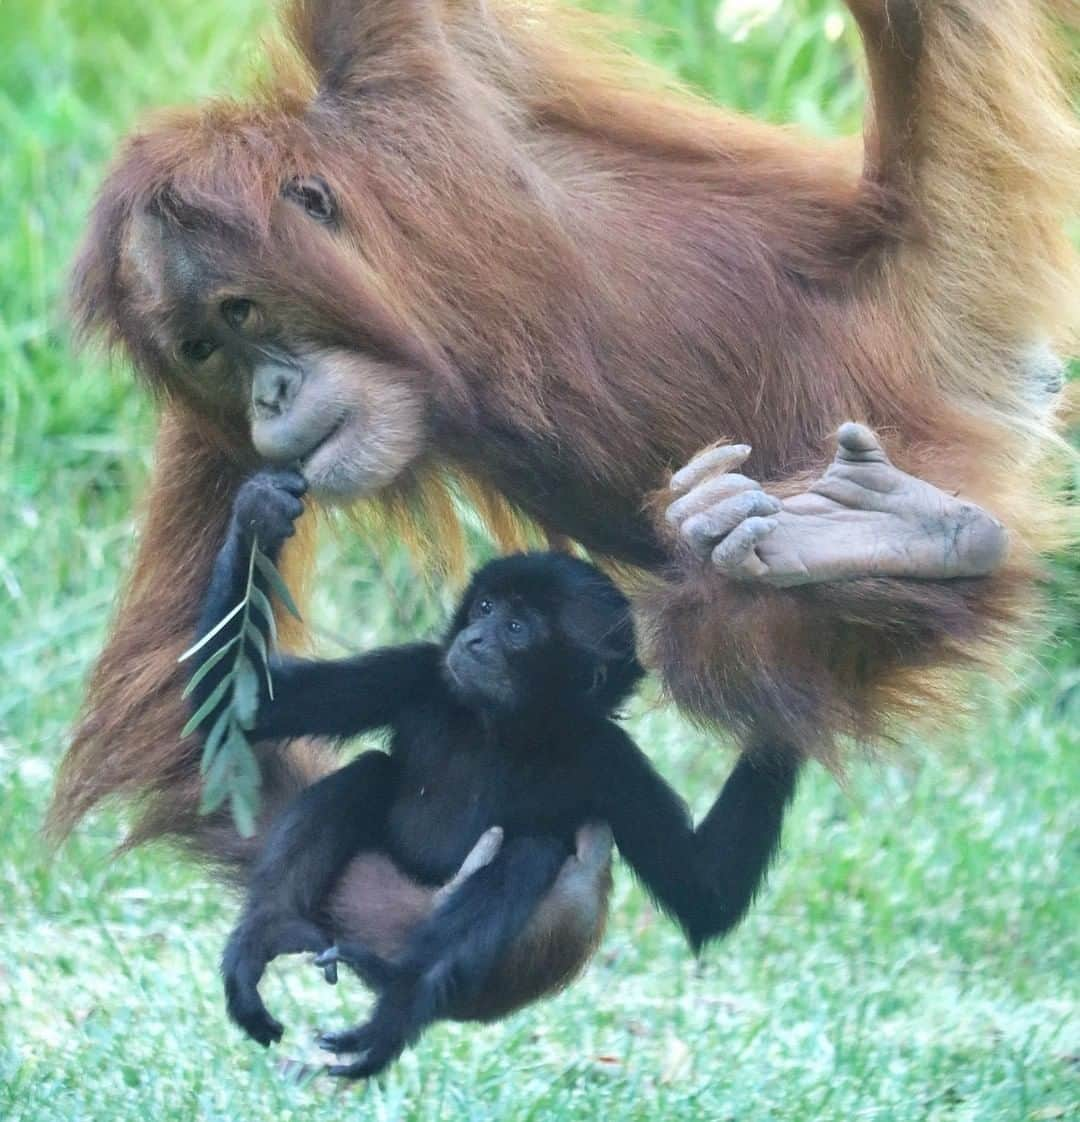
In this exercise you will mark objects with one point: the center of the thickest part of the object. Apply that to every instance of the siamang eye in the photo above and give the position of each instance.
(485, 607)
(198, 350)
(313, 193)
(236, 311)
(514, 626)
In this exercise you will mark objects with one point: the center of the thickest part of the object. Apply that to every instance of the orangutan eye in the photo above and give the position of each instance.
(198, 350)
(313, 193)
(236, 311)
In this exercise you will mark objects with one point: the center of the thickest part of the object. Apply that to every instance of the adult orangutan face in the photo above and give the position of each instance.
(268, 331)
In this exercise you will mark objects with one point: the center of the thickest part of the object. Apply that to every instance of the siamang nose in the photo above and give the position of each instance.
(273, 388)
(475, 639)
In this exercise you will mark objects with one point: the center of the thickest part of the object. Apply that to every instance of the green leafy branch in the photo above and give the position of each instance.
(228, 767)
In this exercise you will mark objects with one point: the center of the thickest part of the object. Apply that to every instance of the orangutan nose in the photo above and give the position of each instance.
(273, 388)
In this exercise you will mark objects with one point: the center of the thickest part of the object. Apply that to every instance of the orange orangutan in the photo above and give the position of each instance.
(463, 242)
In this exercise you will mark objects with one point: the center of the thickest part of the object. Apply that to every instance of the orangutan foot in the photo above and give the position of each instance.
(863, 518)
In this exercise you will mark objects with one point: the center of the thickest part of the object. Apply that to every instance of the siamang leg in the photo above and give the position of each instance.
(306, 849)
(449, 956)
(375, 970)
(741, 833)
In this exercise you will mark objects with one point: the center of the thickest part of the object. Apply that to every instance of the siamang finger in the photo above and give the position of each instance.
(373, 1060)
(292, 480)
(342, 1040)
(327, 962)
(291, 506)
(719, 458)
(375, 970)
(329, 957)
(272, 528)
(358, 1069)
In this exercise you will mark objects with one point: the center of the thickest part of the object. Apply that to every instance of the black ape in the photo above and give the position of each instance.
(506, 723)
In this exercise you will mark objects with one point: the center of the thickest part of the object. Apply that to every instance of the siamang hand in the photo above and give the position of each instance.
(267, 505)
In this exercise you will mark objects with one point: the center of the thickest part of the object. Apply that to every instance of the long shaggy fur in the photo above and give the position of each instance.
(592, 277)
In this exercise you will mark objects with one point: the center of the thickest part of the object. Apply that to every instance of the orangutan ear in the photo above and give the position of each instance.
(94, 287)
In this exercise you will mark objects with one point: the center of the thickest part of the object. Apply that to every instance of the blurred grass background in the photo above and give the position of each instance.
(915, 954)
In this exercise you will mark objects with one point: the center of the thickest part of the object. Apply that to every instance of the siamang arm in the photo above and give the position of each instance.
(705, 879)
(314, 698)
(264, 509)
(347, 696)
(653, 831)
(739, 837)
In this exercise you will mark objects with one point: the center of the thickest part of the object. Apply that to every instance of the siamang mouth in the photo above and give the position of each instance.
(471, 681)
(451, 676)
(460, 687)
(457, 675)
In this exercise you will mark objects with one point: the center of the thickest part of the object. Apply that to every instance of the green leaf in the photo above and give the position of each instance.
(252, 633)
(245, 699)
(212, 632)
(259, 600)
(209, 665)
(216, 784)
(214, 740)
(212, 798)
(246, 774)
(277, 583)
(243, 814)
(207, 707)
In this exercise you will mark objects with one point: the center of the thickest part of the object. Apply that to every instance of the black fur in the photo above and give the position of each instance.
(508, 722)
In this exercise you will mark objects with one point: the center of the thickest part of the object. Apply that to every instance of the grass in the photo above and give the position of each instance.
(913, 958)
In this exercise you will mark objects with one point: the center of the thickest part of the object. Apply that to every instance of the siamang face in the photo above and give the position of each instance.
(496, 659)
(542, 631)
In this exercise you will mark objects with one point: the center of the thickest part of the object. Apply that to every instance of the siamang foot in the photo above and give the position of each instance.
(252, 946)
(374, 1047)
(246, 1007)
(863, 518)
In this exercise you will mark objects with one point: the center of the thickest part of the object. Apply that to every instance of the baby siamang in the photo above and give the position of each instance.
(506, 723)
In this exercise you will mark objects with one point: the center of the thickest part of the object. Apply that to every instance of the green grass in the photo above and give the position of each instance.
(913, 958)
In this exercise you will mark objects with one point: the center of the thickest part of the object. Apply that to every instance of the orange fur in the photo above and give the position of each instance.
(586, 277)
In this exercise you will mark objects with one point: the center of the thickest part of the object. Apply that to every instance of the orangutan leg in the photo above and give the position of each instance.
(862, 518)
